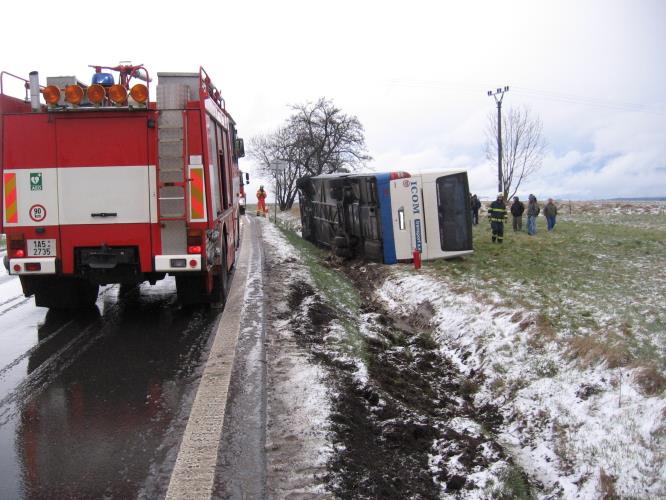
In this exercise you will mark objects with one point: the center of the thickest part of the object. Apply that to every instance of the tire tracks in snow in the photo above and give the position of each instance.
(13, 303)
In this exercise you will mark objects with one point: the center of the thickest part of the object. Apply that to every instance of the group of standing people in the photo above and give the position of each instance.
(533, 210)
(498, 214)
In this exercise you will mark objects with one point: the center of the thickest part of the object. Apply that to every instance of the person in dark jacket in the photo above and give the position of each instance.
(517, 209)
(550, 211)
(532, 212)
(497, 214)
(476, 205)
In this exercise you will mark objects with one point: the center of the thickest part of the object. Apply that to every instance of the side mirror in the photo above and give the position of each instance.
(247, 178)
(240, 148)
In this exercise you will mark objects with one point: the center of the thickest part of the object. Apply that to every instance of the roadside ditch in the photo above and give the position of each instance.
(402, 424)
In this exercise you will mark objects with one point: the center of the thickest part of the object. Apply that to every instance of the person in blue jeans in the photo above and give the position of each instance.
(476, 205)
(532, 213)
(550, 211)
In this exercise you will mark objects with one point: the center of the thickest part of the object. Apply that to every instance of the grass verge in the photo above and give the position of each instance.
(599, 286)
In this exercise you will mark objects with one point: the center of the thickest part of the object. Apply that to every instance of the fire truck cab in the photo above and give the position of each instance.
(101, 185)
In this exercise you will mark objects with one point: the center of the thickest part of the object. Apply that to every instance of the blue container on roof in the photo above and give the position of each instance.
(105, 79)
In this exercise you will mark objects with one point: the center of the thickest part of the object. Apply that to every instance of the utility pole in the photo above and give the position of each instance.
(499, 92)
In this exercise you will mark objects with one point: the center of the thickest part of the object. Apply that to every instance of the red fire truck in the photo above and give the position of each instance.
(101, 184)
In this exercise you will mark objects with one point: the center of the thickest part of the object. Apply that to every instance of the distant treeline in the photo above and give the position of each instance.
(566, 198)
(655, 198)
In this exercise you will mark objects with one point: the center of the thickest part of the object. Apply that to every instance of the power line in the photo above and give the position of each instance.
(589, 101)
(656, 109)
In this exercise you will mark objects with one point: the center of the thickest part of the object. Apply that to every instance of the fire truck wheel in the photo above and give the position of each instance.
(126, 288)
(189, 289)
(224, 277)
(64, 293)
(88, 293)
(221, 281)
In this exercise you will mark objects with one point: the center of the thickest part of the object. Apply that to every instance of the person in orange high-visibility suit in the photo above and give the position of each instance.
(261, 202)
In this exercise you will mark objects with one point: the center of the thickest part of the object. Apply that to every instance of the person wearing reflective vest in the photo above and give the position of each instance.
(497, 214)
(261, 202)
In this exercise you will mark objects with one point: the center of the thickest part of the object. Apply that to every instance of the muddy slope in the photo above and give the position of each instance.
(403, 426)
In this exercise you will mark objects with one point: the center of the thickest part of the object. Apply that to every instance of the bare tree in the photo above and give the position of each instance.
(325, 139)
(271, 151)
(316, 139)
(523, 146)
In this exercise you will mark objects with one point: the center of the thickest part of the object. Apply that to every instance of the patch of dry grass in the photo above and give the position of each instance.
(650, 380)
(541, 332)
(607, 489)
(591, 349)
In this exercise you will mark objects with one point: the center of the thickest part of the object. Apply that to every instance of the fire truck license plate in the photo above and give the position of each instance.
(41, 248)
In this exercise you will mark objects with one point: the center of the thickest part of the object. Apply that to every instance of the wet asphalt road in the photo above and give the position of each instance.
(94, 404)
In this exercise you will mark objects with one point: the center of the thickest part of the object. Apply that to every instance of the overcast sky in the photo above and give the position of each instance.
(414, 72)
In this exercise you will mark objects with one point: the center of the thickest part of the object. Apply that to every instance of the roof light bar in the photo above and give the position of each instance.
(73, 94)
(51, 95)
(118, 94)
(139, 93)
(96, 94)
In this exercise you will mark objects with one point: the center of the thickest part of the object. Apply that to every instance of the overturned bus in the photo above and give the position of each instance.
(387, 217)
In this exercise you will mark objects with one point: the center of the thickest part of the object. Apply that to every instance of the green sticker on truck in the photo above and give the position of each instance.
(35, 181)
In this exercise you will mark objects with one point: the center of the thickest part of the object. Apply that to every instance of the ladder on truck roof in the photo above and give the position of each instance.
(173, 92)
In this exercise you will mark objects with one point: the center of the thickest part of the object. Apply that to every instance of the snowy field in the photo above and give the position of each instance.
(579, 422)
(579, 433)
(568, 339)
(643, 214)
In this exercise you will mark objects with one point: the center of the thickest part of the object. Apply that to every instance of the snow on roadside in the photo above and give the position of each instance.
(298, 400)
(576, 432)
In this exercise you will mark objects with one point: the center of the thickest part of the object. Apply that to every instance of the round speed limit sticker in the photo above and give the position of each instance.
(37, 213)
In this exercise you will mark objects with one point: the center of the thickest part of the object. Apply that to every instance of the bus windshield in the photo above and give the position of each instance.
(454, 213)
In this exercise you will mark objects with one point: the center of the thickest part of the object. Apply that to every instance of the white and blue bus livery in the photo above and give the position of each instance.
(385, 217)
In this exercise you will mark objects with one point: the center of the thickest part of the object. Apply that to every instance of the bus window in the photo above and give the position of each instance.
(455, 225)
